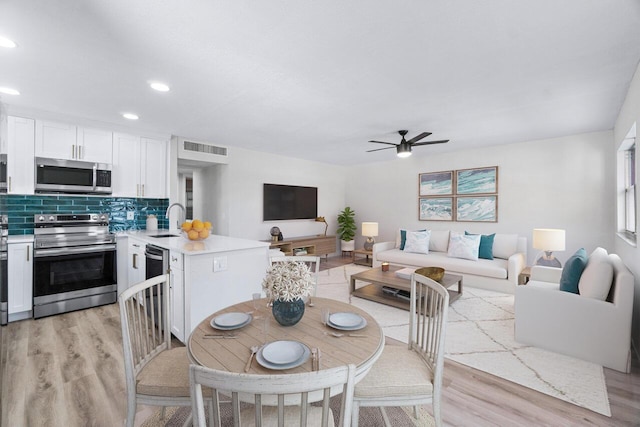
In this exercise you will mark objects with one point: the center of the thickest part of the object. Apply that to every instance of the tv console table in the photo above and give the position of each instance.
(313, 245)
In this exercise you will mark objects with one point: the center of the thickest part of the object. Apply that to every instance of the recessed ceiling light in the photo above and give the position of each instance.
(130, 116)
(5, 42)
(9, 91)
(159, 86)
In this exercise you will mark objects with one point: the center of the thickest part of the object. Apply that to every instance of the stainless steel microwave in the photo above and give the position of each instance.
(72, 176)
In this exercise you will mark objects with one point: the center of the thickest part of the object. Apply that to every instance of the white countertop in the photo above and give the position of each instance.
(214, 244)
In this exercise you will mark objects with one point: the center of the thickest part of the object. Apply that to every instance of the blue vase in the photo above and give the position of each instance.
(288, 313)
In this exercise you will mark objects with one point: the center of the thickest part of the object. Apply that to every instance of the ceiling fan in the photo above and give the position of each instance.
(404, 147)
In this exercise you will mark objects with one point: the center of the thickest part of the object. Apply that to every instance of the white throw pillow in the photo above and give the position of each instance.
(439, 240)
(505, 245)
(464, 246)
(597, 276)
(417, 242)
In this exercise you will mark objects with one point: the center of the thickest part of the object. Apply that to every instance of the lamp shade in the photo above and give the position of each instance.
(369, 229)
(548, 239)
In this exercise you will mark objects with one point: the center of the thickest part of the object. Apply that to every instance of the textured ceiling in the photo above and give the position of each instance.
(318, 79)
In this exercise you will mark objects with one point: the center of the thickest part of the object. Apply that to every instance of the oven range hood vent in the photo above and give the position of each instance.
(201, 152)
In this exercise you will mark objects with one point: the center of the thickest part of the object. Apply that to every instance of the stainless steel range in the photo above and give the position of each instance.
(4, 282)
(74, 265)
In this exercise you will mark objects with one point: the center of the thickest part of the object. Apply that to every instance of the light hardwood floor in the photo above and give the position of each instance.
(67, 370)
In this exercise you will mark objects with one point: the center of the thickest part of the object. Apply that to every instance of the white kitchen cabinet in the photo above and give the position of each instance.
(136, 262)
(139, 167)
(68, 142)
(20, 162)
(95, 145)
(176, 295)
(20, 277)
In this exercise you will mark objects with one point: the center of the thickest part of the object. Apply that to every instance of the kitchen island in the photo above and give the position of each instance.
(206, 276)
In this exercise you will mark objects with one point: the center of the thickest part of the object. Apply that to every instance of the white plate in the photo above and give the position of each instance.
(261, 360)
(215, 325)
(345, 320)
(228, 320)
(283, 352)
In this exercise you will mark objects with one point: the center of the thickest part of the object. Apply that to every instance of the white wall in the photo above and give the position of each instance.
(557, 183)
(233, 193)
(630, 254)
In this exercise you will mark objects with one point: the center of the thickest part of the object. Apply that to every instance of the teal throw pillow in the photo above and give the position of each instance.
(572, 271)
(486, 245)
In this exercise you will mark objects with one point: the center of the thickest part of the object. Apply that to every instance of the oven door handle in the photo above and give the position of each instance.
(74, 250)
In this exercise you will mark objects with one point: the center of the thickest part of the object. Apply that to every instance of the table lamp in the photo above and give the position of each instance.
(326, 226)
(548, 240)
(369, 230)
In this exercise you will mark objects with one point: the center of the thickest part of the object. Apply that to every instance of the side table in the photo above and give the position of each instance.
(524, 276)
(363, 261)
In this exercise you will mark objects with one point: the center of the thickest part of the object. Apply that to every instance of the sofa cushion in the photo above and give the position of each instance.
(505, 245)
(596, 278)
(572, 271)
(417, 242)
(401, 238)
(439, 240)
(463, 246)
(496, 268)
(486, 245)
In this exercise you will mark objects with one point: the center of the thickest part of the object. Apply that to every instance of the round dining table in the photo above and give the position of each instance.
(230, 350)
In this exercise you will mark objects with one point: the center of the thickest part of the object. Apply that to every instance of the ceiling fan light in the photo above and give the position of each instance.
(403, 150)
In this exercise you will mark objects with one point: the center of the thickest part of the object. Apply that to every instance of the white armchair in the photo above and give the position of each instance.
(575, 325)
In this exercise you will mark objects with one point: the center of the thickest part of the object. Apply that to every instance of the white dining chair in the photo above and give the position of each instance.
(313, 262)
(412, 375)
(156, 374)
(292, 392)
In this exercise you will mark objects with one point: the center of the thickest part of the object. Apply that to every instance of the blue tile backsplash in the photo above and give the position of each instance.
(22, 208)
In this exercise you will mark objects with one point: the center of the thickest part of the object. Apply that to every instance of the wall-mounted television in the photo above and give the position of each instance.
(282, 202)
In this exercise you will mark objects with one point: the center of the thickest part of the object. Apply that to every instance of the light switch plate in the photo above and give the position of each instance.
(219, 263)
(130, 215)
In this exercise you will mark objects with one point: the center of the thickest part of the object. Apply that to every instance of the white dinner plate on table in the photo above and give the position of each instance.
(346, 321)
(228, 321)
(274, 352)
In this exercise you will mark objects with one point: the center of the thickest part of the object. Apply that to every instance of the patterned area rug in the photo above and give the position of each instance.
(480, 335)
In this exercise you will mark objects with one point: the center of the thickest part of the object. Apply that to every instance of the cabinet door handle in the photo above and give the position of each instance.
(9, 184)
(142, 190)
(135, 261)
(28, 250)
(80, 153)
(137, 189)
(73, 151)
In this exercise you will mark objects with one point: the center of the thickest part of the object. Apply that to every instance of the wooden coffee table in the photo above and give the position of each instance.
(378, 278)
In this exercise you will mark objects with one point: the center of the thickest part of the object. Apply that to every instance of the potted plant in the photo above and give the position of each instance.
(286, 284)
(347, 229)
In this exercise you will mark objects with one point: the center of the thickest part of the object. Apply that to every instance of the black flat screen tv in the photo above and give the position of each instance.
(281, 202)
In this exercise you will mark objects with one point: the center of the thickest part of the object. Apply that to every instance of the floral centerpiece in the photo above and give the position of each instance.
(287, 283)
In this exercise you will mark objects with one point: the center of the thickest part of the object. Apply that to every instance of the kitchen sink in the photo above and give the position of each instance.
(166, 235)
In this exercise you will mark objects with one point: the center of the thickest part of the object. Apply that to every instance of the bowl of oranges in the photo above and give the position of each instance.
(196, 229)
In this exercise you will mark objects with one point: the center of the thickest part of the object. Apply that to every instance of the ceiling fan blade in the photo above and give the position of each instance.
(419, 137)
(378, 149)
(380, 142)
(430, 142)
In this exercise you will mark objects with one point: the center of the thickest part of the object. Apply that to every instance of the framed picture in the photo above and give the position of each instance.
(436, 183)
(477, 181)
(477, 208)
(436, 209)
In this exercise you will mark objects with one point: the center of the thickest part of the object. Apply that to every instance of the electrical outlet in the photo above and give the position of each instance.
(130, 215)
(219, 263)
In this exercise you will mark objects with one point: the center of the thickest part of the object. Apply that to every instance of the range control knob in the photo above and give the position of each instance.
(94, 217)
(51, 218)
(41, 218)
(103, 217)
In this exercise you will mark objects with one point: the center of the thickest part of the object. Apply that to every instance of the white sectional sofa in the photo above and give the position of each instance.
(499, 274)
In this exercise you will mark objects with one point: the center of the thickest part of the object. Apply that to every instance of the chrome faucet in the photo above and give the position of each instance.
(182, 217)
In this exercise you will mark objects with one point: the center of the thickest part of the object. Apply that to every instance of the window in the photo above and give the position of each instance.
(626, 184)
(630, 190)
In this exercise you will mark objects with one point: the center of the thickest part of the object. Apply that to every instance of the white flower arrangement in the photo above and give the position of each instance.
(288, 281)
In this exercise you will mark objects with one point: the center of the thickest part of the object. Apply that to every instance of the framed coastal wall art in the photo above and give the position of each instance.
(436, 183)
(472, 195)
(436, 209)
(477, 208)
(477, 181)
